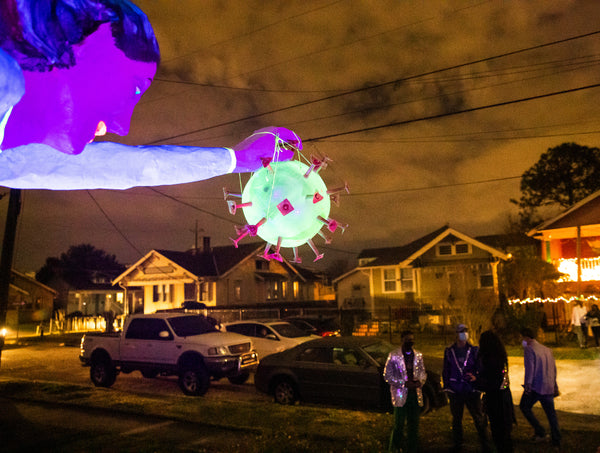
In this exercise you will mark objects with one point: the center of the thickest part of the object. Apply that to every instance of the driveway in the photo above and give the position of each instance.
(577, 382)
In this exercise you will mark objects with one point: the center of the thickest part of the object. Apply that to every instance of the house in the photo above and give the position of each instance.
(95, 297)
(219, 277)
(571, 241)
(443, 268)
(28, 300)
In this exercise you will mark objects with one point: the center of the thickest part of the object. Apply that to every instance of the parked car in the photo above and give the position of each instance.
(269, 337)
(323, 326)
(342, 370)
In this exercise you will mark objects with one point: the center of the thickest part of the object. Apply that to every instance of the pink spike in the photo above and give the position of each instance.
(317, 164)
(233, 207)
(318, 255)
(276, 255)
(317, 197)
(335, 198)
(265, 253)
(253, 229)
(328, 239)
(243, 234)
(285, 207)
(297, 258)
(227, 193)
(241, 229)
(266, 162)
(346, 189)
(332, 224)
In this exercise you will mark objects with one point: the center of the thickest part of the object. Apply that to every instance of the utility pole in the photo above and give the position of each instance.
(8, 247)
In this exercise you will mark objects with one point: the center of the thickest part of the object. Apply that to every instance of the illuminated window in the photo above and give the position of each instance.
(486, 276)
(389, 280)
(407, 282)
(237, 290)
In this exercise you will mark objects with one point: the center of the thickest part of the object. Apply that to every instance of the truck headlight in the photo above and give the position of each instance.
(219, 350)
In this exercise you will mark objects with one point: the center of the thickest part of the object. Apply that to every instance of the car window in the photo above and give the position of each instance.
(285, 329)
(320, 355)
(379, 351)
(243, 329)
(186, 326)
(147, 329)
(348, 356)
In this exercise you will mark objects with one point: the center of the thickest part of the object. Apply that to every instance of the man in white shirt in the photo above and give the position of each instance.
(578, 323)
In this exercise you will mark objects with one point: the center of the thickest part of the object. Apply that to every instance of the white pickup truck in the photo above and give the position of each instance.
(186, 345)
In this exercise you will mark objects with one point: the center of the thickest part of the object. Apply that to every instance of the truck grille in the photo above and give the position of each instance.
(239, 348)
(249, 359)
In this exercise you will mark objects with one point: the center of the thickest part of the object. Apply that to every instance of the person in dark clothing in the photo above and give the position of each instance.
(491, 377)
(460, 359)
(593, 320)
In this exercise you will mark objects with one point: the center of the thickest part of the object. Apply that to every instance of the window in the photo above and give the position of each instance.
(205, 291)
(458, 248)
(319, 355)
(262, 265)
(347, 356)
(486, 276)
(272, 289)
(389, 280)
(237, 289)
(406, 280)
(162, 293)
(189, 290)
(147, 329)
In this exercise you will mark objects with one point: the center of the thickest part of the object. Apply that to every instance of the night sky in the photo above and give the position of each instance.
(442, 136)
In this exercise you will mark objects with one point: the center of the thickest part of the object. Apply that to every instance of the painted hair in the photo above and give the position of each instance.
(40, 34)
(12, 84)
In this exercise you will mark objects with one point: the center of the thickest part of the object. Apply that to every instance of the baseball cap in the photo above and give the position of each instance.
(461, 327)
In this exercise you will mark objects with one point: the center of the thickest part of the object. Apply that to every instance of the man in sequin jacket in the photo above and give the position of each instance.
(405, 373)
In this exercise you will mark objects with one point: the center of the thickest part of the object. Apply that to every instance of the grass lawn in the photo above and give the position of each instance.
(270, 427)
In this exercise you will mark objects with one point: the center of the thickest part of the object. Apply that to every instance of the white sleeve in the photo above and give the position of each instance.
(109, 165)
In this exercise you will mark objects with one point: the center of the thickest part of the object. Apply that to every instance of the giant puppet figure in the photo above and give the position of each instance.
(85, 65)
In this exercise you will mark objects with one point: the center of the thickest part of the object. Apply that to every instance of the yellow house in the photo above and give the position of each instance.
(218, 277)
(443, 268)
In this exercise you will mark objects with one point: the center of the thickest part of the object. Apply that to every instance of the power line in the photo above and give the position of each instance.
(380, 85)
(114, 225)
(442, 115)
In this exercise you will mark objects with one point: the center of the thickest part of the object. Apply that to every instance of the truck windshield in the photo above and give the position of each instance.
(186, 326)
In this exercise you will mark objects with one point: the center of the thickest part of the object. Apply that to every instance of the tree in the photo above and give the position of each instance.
(80, 266)
(562, 176)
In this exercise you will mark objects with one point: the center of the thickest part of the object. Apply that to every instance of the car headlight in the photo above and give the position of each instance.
(219, 350)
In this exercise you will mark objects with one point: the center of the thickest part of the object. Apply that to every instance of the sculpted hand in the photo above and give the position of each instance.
(262, 144)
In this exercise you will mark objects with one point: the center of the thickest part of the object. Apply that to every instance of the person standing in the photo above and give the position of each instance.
(491, 377)
(578, 323)
(540, 385)
(460, 359)
(593, 319)
(405, 373)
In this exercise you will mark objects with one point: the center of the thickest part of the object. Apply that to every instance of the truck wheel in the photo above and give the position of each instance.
(194, 381)
(102, 372)
(285, 392)
(240, 379)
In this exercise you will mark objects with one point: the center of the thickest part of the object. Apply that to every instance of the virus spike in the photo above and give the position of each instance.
(316, 164)
(318, 255)
(266, 162)
(242, 234)
(233, 207)
(276, 255)
(328, 239)
(266, 255)
(227, 193)
(346, 189)
(316, 197)
(253, 229)
(297, 258)
(335, 198)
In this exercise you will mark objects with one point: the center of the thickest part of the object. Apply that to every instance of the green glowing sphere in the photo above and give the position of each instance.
(287, 201)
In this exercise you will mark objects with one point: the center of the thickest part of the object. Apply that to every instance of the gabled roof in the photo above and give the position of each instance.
(407, 253)
(585, 212)
(215, 263)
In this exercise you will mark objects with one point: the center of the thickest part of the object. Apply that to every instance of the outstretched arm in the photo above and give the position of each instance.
(109, 165)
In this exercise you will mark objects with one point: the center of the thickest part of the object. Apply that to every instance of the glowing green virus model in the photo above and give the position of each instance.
(287, 204)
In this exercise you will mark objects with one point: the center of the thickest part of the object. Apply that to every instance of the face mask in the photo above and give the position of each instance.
(463, 336)
(524, 343)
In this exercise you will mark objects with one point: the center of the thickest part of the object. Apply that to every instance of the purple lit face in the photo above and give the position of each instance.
(67, 108)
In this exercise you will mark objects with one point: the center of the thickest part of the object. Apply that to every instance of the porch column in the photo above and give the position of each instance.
(578, 260)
